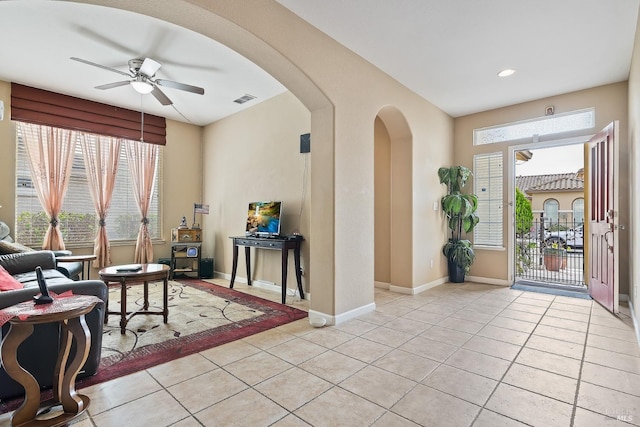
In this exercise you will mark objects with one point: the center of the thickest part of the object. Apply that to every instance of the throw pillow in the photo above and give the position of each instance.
(13, 248)
(8, 282)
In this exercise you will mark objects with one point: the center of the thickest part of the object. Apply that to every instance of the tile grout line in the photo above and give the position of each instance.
(584, 351)
(511, 364)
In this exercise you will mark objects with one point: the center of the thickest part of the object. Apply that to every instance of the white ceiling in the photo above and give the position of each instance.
(448, 51)
(39, 37)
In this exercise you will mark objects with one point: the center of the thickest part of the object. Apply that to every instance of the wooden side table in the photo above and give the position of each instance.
(84, 259)
(69, 311)
(136, 273)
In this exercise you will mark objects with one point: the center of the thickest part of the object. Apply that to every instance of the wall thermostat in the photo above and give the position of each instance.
(1, 110)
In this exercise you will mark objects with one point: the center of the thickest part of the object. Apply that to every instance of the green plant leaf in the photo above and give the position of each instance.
(460, 210)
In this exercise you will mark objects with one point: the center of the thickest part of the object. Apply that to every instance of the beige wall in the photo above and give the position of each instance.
(382, 207)
(7, 159)
(181, 186)
(634, 175)
(344, 94)
(251, 156)
(610, 102)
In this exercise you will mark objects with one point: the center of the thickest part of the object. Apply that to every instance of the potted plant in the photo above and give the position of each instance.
(460, 210)
(555, 257)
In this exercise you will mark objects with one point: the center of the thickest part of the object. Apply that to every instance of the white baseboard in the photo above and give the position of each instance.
(262, 284)
(488, 280)
(636, 321)
(623, 297)
(343, 317)
(410, 291)
(432, 284)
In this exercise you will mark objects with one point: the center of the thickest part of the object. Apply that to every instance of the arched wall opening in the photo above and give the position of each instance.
(227, 23)
(393, 201)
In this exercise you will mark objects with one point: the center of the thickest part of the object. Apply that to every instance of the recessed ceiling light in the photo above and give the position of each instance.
(506, 73)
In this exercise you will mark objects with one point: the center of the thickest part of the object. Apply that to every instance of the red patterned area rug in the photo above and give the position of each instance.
(201, 316)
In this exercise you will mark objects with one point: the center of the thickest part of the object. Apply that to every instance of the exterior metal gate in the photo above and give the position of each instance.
(550, 252)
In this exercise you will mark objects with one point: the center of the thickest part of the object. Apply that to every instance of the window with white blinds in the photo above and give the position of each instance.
(487, 182)
(78, 219)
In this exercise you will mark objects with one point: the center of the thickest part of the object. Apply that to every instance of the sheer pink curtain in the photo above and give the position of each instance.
(50, 153)
(101, 155)
(142, 160)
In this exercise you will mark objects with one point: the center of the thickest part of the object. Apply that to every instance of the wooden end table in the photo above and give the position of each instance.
(128, 274)
(69, 311)
(84, 259)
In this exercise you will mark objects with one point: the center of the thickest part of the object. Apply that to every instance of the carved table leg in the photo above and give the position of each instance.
(17, 334)
(64, 388)
(123, 306)
(234, 266)
(145, 305)
(165, 299)
(285, 262)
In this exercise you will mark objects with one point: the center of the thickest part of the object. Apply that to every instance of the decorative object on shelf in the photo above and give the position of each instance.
(201, 209)
(460, 209)
(183, 223)
(555, 257)
(186, 235)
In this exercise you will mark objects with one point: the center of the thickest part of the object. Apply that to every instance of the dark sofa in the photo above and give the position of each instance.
(38, 353)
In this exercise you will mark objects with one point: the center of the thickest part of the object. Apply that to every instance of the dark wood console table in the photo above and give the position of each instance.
(281, 244)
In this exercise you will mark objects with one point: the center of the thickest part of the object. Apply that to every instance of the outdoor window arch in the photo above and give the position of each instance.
(578, 211)
(551, 208)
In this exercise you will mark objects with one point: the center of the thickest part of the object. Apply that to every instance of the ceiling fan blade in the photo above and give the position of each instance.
(112, 85)
(181, 86)
(160, 96)
(84, 61)
(149, 67)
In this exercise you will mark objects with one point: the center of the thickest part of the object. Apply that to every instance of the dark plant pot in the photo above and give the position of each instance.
(456, 273)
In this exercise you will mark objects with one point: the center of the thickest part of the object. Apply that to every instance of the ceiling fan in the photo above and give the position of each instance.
(142, 78)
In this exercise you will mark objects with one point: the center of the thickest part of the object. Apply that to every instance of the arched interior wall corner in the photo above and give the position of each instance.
(395, 122)
(228, 23)
(400, 175)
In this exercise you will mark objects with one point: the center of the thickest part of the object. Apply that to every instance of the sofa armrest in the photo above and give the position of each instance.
(27, 261)
(62, 252)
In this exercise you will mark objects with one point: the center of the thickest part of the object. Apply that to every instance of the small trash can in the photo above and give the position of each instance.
(206, 268)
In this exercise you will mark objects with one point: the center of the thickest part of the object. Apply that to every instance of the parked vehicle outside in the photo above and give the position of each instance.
(571, 238)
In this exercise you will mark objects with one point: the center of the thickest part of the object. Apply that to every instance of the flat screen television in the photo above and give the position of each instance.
(263, 218)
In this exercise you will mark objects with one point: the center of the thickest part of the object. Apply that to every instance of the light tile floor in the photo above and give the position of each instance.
(456, 355)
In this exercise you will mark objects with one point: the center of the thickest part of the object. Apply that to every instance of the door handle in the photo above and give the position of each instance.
(606, 239)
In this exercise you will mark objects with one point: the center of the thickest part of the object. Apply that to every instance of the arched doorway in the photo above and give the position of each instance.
(224, 23)
(393, 212)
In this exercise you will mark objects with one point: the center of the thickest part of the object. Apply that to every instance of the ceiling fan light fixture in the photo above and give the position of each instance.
(141, 86)
(506, 72)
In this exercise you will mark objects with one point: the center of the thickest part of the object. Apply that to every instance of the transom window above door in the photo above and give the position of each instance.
(547, 125)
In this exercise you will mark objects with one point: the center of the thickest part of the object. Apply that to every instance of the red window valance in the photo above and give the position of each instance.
(39, 106)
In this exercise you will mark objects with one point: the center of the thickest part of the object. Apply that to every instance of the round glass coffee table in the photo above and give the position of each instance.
(136, 273)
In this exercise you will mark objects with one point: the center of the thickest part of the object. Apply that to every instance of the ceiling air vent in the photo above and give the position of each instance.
(244, 99)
